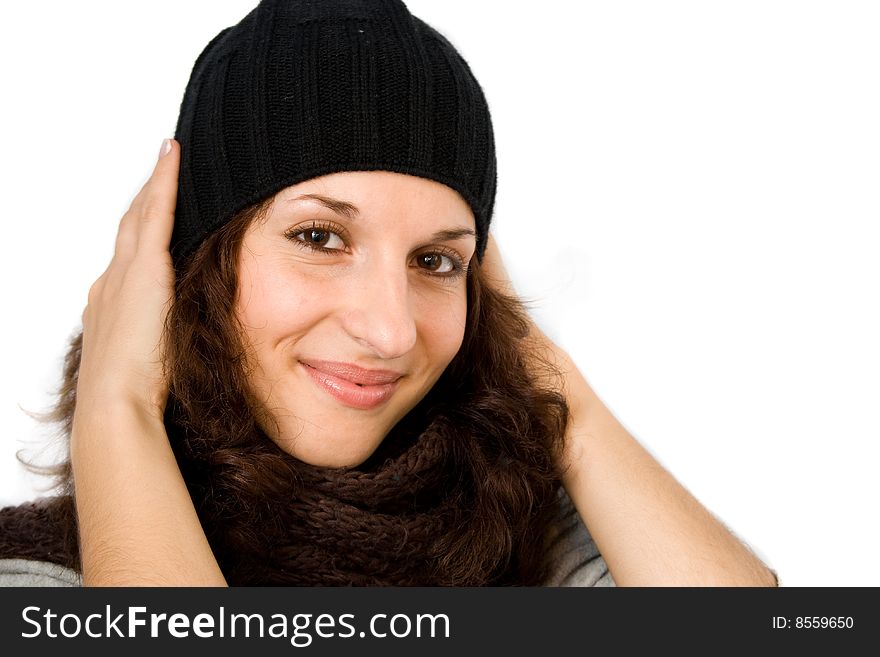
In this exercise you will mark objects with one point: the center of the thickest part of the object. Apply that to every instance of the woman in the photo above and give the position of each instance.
(305, 365)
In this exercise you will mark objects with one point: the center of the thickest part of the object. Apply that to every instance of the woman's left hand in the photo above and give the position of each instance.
(648, 527)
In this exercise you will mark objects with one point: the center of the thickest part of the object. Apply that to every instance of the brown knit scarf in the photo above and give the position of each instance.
(380, 527)
(40, 530)
(383, 523)
(378, 524)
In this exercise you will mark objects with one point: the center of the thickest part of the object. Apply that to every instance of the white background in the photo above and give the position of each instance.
(688, 194)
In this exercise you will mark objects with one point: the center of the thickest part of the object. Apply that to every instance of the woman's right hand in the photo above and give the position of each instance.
(137, 523)
(122, 360)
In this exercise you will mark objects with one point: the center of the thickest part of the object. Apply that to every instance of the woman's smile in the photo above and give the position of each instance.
(352, 385)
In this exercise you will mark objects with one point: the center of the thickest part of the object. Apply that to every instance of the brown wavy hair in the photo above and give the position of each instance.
(498, 395)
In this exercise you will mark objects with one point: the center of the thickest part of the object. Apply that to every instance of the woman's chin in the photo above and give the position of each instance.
(321, 452)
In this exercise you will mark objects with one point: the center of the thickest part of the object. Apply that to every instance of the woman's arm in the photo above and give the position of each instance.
(137, 522)
(650, 530)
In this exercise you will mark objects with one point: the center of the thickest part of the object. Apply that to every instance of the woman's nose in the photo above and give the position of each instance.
(380, 313)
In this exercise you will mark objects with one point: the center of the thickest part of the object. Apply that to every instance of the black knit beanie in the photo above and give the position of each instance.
(302, 88)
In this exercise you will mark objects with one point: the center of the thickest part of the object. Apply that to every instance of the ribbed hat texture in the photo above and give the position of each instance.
(303, 88)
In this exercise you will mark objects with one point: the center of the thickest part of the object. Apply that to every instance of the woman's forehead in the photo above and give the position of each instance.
(356, 195)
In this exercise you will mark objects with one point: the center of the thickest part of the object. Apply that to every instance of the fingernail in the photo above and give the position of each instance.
(166, 146)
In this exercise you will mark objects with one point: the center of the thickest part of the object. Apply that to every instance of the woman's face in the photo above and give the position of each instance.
(353, 298)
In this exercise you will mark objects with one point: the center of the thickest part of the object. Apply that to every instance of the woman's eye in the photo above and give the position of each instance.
(320, 238)
(436, 263)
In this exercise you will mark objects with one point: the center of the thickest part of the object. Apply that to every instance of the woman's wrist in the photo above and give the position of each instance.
(116, 403)
(104, 421)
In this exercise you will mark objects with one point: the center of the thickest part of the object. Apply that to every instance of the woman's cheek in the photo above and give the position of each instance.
(290, 295)
(442, 323)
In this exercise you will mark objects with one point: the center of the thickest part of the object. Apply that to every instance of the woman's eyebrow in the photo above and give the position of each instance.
(452, 234)
(343, 208)
(350, 211)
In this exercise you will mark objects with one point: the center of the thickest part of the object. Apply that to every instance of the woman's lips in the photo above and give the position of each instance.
(353, 386)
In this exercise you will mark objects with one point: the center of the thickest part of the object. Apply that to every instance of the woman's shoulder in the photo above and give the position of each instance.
(574, 556)
(30, 572)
